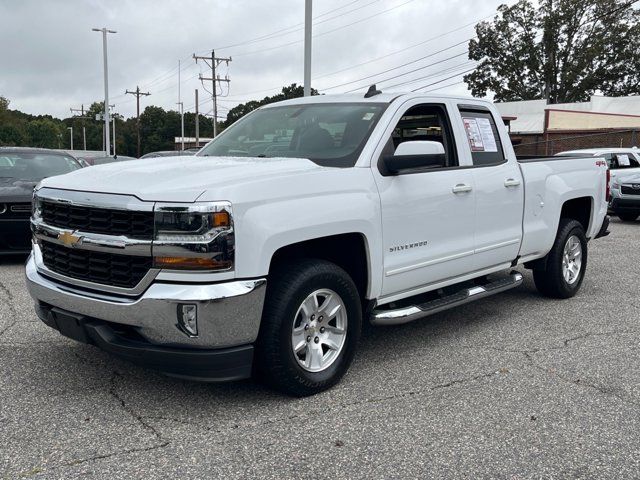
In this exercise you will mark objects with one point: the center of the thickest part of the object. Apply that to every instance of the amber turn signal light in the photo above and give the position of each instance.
(220, 219)
(191, 263)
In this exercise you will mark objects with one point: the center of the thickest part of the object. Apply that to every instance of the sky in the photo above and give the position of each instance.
(51, 60)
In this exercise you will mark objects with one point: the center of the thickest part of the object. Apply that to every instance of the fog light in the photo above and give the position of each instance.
(188, 318)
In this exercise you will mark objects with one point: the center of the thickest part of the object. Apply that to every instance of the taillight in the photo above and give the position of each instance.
(608, 189)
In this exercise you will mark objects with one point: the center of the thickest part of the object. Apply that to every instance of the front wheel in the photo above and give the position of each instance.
(566, 263)
(310, 327)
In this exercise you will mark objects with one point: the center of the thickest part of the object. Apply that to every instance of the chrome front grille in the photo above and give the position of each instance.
(129, 223)
(88, 239)
(116, 270)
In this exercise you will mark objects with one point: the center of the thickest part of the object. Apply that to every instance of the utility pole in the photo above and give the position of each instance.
(113, 120)
(197, 122)
(106, 85)
(137, 93)
(181, 105)
(215, 79)
(84, 130)
(71, 136)
(307, 47)
(549, 42)
(181, 112)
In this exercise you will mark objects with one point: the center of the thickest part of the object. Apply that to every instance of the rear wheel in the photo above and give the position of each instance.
(562, 273)
(628, 217)
(310, 327)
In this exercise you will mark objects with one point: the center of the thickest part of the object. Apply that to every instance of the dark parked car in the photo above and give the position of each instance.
(171, 153)
(20, 170)
(113, 159)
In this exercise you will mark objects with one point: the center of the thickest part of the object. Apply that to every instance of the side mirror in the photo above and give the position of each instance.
(414, 155)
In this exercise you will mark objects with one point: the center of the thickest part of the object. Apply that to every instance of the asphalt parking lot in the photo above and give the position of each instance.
(515, 386)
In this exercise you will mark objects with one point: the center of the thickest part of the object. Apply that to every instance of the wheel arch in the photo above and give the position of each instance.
(579, 209)
(350, 251)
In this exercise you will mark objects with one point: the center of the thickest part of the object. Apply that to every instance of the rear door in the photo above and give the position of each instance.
(623, 163)
(499, 188)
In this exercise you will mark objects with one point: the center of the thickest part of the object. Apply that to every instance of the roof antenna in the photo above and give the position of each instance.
(373, 91)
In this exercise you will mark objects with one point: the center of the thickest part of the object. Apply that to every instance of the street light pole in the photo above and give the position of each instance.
(307, 47)
(71, 135)
(104, 31)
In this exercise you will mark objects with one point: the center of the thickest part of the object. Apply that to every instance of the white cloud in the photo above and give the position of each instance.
(51, 60)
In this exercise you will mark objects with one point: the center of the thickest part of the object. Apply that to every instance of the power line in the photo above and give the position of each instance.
(411, 71)
(396, 52)
(400, 66)
(172, 73)
(242, 54)
(297, 27)
(444, 86)
(431, 75)
(443, 80)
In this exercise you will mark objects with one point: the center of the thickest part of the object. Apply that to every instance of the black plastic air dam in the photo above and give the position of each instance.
(219, 365)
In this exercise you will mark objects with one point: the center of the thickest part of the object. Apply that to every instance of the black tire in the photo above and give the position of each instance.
(628, 217)
(288, 286)
(548, 278)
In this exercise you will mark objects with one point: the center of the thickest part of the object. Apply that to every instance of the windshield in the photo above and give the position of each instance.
(330, 134)
(35, 166)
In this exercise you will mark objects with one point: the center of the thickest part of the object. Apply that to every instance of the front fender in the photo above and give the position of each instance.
(332, 202)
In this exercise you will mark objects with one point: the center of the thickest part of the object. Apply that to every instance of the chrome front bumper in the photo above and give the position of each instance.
(228, 313)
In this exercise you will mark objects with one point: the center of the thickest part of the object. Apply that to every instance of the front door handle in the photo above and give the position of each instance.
(461, 188)
(511, 182)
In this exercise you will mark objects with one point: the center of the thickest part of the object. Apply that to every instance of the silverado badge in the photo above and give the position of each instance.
(69, 239)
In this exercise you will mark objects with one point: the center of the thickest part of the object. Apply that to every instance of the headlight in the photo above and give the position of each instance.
(36, 205)
(194, 237)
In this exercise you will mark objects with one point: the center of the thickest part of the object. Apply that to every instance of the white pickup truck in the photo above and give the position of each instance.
(265, 252)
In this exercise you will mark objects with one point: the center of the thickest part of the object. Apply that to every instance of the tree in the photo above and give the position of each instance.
(564, 51)
(12, 135)
(44, 133)
(239, 111)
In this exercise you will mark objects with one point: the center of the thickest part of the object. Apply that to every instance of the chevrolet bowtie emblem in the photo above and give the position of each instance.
(69, 239)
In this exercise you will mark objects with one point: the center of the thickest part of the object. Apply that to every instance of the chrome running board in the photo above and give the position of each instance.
(466, 295)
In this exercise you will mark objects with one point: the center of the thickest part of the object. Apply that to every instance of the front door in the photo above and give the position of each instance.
(428, 216)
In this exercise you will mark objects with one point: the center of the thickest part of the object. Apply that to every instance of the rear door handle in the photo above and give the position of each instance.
(461, 188)
(511, 182)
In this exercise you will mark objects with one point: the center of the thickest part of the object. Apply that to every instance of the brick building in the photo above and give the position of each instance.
(540, 129)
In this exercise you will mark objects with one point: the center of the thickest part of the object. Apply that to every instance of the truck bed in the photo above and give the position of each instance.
(551, 182)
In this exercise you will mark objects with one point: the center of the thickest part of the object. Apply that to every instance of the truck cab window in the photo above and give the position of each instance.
(484, 139)
(426, 122)
(623, 160)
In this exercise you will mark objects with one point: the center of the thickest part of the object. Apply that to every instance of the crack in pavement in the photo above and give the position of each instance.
(405, 394)
(577, 382)
(113, 454)
(565, 343)
(113, 392)
(12, 308)
(128, 409)
(80, 461)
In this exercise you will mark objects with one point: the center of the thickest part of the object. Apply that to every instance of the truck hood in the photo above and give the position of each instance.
(630, 178)
(13, 190)
(176, 179)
